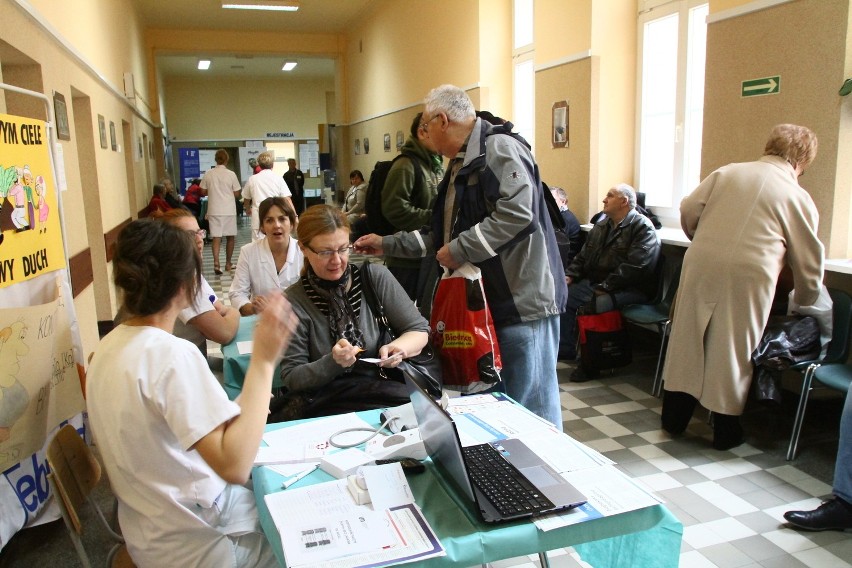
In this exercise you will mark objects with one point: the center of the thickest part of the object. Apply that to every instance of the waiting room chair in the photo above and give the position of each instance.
(74, 473)
(833, 374)
(658, 313)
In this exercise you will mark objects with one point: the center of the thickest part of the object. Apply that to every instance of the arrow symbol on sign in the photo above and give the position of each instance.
(769, 86)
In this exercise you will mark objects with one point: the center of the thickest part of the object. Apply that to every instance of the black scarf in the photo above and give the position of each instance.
(332, 299)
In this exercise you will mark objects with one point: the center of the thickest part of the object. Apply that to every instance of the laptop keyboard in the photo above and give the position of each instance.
(502, 483)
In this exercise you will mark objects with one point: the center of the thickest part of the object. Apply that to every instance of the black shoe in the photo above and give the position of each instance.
(727, 431)
(581, 375)
(833, 515)
(677, 411)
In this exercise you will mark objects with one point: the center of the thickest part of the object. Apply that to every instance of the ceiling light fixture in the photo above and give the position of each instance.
(203, 64)
(274, 5)
(289, 66)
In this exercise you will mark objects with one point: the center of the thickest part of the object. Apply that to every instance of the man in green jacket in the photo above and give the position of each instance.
(407, 199)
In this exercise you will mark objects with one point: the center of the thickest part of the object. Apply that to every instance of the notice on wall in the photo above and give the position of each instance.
(309, 158)
(30, 234)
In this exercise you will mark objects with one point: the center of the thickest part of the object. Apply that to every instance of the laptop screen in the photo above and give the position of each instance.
(440, 437)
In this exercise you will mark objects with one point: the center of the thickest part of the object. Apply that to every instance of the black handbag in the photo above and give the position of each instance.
(425, 368)
(787, 340)
(604, 341)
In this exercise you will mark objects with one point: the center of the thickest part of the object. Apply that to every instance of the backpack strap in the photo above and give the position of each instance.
(419, 182)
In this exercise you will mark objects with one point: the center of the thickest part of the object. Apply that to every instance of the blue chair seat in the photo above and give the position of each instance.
(837, 376)
(645, 314)
(658, 311)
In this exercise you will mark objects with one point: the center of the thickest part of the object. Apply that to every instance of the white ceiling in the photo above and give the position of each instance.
(243, 65)
(313, 16)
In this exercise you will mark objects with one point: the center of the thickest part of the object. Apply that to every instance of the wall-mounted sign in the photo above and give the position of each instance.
(280, 134)
(763, 86)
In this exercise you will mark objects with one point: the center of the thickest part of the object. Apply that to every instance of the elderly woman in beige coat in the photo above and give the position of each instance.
(745, 221)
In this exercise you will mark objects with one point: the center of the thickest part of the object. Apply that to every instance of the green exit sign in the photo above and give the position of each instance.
(763, 86)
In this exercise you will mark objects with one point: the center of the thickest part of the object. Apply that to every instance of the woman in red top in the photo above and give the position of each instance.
(157, 206)
(192, 197)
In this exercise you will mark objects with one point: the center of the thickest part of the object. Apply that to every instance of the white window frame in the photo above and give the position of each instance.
(651, 10)
(523, 55)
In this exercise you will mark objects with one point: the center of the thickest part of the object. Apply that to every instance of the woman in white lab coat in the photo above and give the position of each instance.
(272, 263)
(176, 450)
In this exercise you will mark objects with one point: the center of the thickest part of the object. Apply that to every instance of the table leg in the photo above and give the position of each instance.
(542, 558)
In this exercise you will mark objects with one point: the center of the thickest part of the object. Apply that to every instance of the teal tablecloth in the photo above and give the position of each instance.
(646, 538)
(234, 365)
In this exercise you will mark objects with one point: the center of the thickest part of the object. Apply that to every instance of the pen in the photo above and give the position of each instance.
(298, 477)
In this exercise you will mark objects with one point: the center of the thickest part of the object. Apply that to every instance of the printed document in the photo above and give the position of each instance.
(331, 531)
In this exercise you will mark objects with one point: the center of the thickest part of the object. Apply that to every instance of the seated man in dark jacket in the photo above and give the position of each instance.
(617, 261)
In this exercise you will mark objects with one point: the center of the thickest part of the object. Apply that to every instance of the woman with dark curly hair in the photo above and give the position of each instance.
(176, 450)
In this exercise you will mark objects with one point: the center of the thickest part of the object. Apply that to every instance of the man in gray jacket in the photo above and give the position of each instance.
(614, 268)
(490, 211)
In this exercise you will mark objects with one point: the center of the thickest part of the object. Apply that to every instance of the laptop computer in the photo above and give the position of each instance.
(505, 480)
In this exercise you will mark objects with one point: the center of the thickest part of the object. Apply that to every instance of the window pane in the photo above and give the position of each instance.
(696, 55)
(659, 96)
(524, 111)
(523, 23)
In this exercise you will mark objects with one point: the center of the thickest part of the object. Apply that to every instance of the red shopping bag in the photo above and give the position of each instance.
(604, 343)
(463, 332)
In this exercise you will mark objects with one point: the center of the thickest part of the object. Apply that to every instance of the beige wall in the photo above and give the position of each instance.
(400, 50)
(614, 42)
(563, 28)
(217, 109)
(793, 37)
(495, 48)
(600, 90)
(99, 180)
(568, 167)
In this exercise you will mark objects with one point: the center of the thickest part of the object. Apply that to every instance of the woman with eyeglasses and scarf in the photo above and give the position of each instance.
(322, 372)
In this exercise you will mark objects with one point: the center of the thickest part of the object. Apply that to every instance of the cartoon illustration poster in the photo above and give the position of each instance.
(39, 377)
(30, 235)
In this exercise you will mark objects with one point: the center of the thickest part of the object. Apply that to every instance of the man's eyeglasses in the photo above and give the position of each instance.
(326, 254)
(199, 233)
(424, 125)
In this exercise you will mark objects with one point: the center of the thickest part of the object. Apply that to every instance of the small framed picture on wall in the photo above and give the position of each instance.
(357, 146)
(113, 142)
(387, 142)
(366, 145)
(102, 130)
(399, 139)
(60, 109)
(560, 124)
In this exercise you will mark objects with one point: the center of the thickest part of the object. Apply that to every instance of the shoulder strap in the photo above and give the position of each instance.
(373, 299)
(418, 170)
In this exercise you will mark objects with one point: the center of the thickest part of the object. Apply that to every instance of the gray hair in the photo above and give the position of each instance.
(627, 192)
(452, 101)
(266, 160)
(559, 192)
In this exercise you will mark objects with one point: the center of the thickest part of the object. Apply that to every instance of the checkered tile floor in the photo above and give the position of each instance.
(730, 503)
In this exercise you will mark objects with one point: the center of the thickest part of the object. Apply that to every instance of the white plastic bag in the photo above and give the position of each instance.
(821, 310)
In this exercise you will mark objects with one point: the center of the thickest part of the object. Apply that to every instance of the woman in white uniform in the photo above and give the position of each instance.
(175, 448)
(270, 264)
